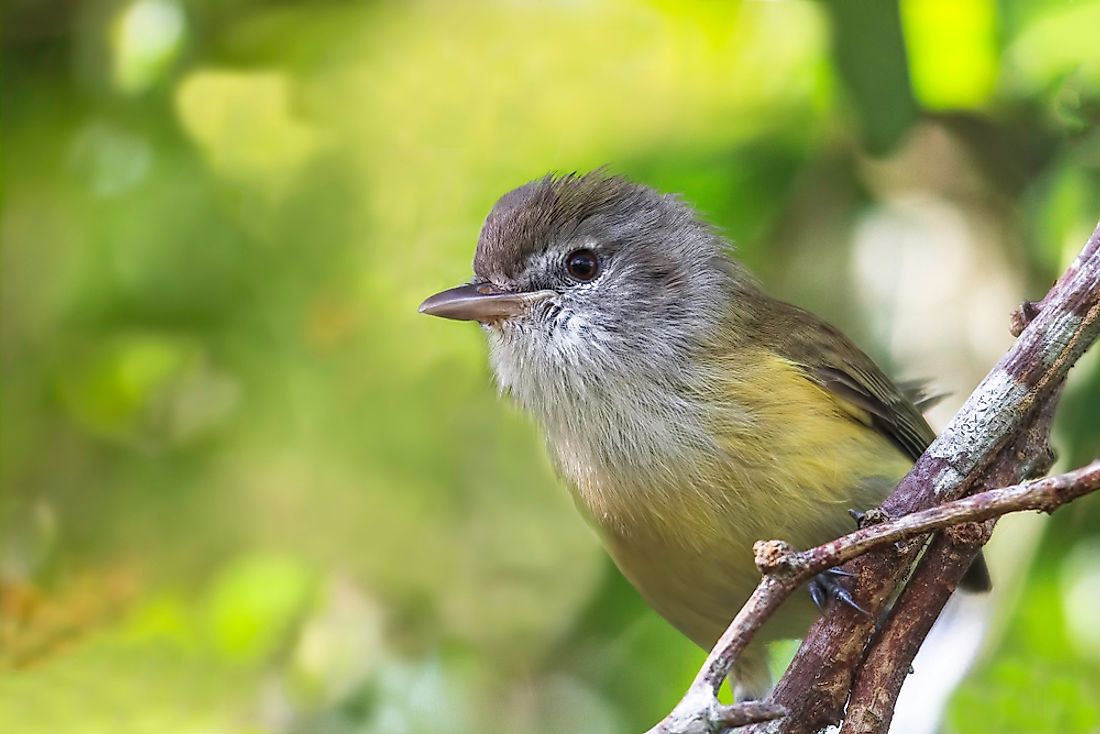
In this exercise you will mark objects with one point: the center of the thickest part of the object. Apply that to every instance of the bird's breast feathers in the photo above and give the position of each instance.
(680, 497)
(773, 445)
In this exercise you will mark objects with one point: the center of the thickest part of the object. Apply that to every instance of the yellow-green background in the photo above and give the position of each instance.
(246, 488)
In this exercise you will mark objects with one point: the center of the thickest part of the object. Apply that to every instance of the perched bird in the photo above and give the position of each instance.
(690, 413)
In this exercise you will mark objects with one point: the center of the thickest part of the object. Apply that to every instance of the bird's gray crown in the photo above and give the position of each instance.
(529, 219)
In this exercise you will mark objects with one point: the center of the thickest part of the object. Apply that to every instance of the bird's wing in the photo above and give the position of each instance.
(829, 359)
(832, 361)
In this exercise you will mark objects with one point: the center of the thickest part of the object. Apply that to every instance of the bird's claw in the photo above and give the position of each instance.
(826, 587)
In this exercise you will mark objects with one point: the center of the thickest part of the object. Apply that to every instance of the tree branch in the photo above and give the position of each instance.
(890, 656)
(785, 569)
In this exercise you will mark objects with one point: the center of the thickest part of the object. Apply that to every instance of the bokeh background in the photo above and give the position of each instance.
(247, 489)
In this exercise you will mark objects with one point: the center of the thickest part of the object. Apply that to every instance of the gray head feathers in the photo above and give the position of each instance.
(527, 220)
(657, 231)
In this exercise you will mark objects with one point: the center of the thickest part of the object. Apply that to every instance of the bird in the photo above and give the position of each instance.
(689, 412)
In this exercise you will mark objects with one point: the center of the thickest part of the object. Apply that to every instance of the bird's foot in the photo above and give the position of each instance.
(827, 587)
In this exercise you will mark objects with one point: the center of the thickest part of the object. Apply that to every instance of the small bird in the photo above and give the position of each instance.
(690, 413)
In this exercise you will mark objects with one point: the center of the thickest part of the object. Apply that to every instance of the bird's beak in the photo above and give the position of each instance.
(481, 302)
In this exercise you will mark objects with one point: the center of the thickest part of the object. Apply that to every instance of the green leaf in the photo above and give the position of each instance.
(254, 602)
(869, 53)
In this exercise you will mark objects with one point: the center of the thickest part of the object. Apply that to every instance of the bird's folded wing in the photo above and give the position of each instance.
(834, 363)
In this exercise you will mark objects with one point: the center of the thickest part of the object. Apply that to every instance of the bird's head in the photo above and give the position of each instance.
(586, 283)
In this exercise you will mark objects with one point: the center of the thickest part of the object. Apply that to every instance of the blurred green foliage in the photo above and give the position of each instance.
(245, 488)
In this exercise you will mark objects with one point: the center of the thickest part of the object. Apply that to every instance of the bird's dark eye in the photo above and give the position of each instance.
(582, 264)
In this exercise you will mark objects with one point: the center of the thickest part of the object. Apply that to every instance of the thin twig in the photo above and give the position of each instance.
(786, 569)
(742, 714)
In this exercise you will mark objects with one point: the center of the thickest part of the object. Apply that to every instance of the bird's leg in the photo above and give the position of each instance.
(826, 587)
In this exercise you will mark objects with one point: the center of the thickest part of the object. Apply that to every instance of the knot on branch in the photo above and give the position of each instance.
(969, 535)
(1041, 463)
(873, 516)
(774, 556)
(1048, 502)
(1024, 314)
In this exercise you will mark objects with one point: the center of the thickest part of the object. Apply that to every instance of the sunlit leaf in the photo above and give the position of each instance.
(253, 603)
(953, 52)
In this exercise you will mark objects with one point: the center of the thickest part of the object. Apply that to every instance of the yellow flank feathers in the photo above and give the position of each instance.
(809, 446)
